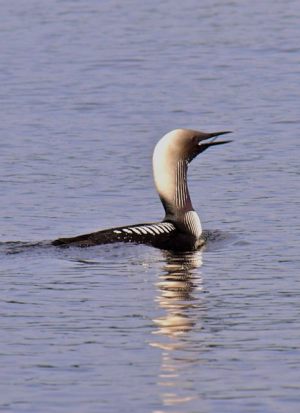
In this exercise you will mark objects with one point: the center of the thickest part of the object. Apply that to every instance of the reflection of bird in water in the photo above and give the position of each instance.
(176, 286)
(179, 287)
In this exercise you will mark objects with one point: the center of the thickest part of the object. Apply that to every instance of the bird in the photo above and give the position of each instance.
(181, 228)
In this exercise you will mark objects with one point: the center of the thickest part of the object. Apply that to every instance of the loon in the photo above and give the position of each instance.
(181, 228)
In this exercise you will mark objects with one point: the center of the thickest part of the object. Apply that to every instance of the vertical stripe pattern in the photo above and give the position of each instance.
(192, 223)
(181, 190)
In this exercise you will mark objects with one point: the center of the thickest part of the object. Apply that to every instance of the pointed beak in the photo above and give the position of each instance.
(213, 136)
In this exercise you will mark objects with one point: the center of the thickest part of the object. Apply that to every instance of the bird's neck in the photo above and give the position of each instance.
(171, 183)
(180, 197)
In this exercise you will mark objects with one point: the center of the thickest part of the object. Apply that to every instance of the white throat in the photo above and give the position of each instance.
(170, 177)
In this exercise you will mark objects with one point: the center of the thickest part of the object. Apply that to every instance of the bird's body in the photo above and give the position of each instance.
(181, 228)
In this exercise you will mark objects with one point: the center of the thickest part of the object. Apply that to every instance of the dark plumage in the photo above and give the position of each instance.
(181, 228)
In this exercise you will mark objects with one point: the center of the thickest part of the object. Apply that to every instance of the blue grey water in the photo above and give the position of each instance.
(87, 89)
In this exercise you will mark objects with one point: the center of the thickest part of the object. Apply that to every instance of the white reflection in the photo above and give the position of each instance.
(179, 296)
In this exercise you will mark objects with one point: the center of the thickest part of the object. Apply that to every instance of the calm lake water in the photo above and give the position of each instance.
(87, 89)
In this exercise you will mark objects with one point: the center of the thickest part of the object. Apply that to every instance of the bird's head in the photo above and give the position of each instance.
(170, 159)
(186, 144)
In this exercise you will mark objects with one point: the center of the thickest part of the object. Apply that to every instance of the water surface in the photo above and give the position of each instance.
(87, 89)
